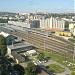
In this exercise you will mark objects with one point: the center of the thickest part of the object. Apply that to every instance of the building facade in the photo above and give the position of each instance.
(52, 23)
(72, 27)
(63, 33)
(9, 38)
(27, 24)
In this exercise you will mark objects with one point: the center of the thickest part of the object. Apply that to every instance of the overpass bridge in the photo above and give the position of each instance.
(53, 44)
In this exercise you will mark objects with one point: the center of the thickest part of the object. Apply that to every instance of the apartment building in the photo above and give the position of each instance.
(72, 27)
(52, 23)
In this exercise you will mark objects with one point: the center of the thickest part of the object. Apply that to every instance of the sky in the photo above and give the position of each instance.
(55, 6)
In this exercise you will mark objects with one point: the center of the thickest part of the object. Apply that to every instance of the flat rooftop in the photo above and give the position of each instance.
(72, 21)
(31, 51)
(19, 46)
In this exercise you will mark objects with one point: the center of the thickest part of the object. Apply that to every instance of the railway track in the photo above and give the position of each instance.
(53, 44)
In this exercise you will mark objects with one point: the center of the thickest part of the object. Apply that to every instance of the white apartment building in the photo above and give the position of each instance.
(72, 27)
(52, 23)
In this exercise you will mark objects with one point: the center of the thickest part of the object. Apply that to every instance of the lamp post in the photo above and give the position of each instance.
(65, 53)
(12, 41)
(27, 34)
(74, 52)
(44, 44)
(45, 41)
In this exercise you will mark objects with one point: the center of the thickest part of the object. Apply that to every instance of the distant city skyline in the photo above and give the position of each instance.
(51, 6)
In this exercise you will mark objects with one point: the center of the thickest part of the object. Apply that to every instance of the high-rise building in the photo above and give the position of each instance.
(52, 23)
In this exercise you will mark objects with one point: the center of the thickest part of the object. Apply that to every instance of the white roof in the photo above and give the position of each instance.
(31, 51)
(4, 34)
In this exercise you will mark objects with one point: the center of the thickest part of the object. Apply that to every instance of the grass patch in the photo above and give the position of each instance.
(60, 59)
(56, 68)
(72, 40)
(73, 73)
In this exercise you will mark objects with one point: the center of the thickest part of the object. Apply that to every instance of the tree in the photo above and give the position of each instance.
(3, 20)
(73, 73)
(2, 40)
(66, 24)
(19, 69)
(31, 69)
(3, 47)
(3, 60)
(4, 66)
(74, 37)
(14, 20)
(41, 56)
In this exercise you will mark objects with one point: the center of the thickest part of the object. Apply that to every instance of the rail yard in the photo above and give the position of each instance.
(51, 43)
